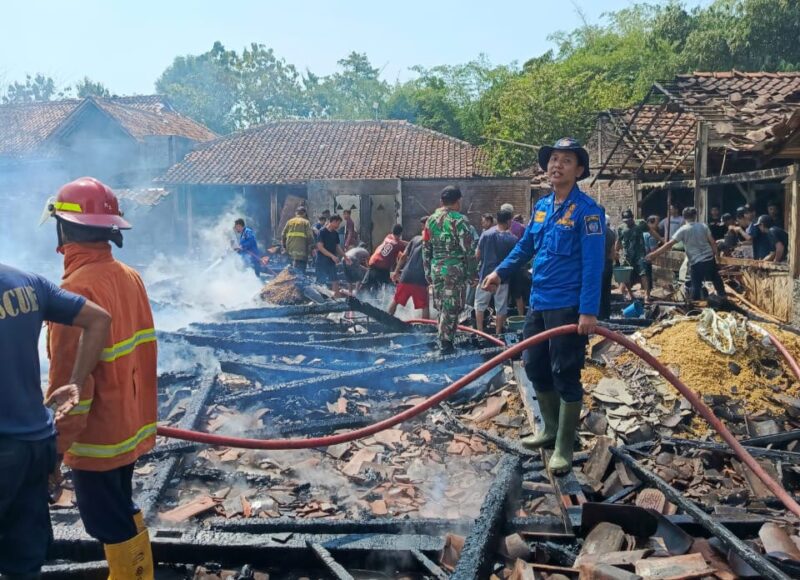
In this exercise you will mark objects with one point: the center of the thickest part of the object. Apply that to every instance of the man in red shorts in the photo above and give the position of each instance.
(409, 275)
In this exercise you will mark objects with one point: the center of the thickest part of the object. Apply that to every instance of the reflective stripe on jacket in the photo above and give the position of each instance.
(115, 421)
(298, 238)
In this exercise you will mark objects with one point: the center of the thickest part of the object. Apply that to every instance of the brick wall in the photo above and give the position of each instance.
(615, 198)
(421, 197)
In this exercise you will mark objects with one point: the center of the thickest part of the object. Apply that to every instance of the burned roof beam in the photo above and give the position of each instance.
(157, 483)
(285, 311)
(679, 162)
(476, 556)
(739, 547)
(660, 140)
(689, 130)
(748, 176)
(645, 131)
(617, 144)
(396, 525)
(390, 370)
(430, 567)
(324, 557)
(787, 456)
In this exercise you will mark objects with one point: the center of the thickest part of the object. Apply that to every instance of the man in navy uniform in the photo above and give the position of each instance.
(566, 239)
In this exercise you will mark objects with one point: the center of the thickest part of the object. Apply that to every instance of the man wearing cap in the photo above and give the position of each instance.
(566, 239)
(630, 242)
(448, 256)
(298, 239)
(114, 422)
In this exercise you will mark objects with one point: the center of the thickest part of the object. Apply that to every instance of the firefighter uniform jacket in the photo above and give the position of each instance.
(298, 238)
(567, 244)
(115, 421)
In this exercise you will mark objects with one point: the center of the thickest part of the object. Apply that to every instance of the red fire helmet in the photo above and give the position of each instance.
(89, 202)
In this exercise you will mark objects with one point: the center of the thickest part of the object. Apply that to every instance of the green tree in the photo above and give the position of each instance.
(268, 88)
(35, 88)
(449, 99)
(86, 87)
(204, 87)
(350, 93)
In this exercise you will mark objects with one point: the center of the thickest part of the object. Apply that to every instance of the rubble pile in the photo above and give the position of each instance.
(752, 390)
(629, 528)
(283, 289)
(420, 469)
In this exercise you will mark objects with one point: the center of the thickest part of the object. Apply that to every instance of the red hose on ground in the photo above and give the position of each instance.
(511, 352)
(461, 327)
(785, 354)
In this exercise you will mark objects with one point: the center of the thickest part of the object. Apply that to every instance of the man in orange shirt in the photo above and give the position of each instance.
(115, 421)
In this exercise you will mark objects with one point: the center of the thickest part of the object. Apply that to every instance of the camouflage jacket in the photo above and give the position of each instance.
(449, 242)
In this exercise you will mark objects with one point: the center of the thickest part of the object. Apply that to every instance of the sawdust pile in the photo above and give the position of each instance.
(752, 375)
(283, 290)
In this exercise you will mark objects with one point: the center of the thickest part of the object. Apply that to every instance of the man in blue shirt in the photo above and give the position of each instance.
(248, 246)
(566, 239)
(494, 245)
(27, 426)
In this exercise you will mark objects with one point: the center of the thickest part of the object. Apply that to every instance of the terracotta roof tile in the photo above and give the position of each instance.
(750, 109)
(24, 128)
(300, 150)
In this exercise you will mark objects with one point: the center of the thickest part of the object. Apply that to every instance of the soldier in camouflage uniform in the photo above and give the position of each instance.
(449, 258)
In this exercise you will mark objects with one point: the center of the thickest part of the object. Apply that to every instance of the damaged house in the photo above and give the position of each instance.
(123, 141)
(385, 172)
(705, 139)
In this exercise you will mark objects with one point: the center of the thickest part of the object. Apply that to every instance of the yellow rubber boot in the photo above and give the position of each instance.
(138, 519)
(131, 560)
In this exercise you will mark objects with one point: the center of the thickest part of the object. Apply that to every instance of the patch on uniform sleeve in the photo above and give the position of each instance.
(539, 216)
(426, 234)
(592, 223)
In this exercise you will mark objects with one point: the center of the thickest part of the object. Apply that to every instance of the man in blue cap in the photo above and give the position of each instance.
(566, 239)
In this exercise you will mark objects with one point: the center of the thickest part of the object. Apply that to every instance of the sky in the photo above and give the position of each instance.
(127, 44)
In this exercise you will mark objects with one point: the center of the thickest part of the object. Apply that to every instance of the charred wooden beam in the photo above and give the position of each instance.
(743, 550)
(285, 311)
(476, 557)
(748, 176)
(331, 565)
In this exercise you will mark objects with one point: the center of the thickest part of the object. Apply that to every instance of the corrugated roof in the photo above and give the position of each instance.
(25, 127)
(301, 150)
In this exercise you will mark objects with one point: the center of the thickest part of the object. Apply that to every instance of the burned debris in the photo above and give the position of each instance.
(452, 494)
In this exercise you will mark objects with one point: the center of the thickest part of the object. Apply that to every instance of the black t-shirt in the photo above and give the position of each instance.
(718, 230)
(329, 241)
(777, 234)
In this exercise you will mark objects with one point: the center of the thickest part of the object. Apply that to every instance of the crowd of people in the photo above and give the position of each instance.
(636, 243)
(100, 413)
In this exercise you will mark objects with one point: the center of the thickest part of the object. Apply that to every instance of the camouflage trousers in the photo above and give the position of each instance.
(449, 298)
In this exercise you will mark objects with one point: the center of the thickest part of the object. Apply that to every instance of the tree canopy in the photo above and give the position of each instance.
(593, 67)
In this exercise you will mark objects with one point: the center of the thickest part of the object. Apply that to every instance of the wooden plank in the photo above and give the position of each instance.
(747, 176)
(791, 212)
(701, 170)
(770, 292)
(756, 264)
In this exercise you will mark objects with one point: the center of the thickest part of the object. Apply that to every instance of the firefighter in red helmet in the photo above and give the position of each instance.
(115, 420)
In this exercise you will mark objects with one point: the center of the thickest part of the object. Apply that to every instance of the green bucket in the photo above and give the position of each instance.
(515, 322)
(622, 274)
